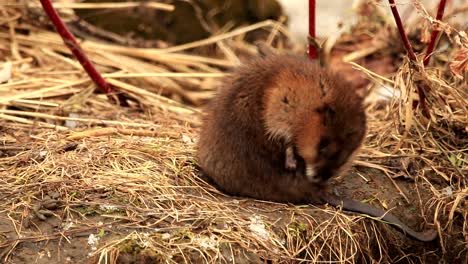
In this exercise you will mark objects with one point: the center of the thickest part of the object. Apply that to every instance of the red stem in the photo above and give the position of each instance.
(312, 48)
(435, 33)
(421, 87)
(403, 35)
(75, 48)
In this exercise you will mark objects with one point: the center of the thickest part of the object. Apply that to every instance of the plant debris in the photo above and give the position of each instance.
(84, 179)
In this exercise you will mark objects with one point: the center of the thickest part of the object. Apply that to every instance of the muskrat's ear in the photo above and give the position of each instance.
(362, 92)
(327, 114)
(323, 88)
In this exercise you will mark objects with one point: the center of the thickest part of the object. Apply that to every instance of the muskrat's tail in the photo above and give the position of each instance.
(359, 207)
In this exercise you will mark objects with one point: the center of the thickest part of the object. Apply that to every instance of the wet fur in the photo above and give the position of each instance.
(275, 104)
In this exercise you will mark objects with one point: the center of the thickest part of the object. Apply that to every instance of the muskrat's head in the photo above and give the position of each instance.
(318, 113)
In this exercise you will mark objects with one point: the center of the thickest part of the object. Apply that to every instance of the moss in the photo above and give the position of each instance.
(297, 228)
(130, 251)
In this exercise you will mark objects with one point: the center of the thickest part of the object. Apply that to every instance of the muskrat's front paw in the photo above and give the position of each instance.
(290, 160)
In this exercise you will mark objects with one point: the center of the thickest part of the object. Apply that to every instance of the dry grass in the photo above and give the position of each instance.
(74, 165)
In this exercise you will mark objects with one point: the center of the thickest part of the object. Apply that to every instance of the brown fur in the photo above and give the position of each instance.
(266, 108)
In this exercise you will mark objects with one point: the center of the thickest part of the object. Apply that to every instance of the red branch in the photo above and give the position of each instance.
(421, 87)
(312, 47)
(403, 35)
(75, 48)
(435, 33)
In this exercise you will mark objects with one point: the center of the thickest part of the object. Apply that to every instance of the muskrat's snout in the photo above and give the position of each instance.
(318, 174)
(311, 173)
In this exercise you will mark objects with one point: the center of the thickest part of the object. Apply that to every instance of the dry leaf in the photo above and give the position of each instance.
(459, 63)
(425, 33)
(5, 73)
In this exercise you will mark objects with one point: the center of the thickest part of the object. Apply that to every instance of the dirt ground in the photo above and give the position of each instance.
(65, 234)
(85, 180)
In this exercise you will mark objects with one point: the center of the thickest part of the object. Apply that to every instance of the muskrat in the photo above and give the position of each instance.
(279, 128)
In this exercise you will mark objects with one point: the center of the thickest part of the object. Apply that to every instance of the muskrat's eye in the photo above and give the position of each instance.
(323, 145)
(330, 113)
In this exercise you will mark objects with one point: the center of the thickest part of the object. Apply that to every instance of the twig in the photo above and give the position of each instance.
(233, 33)
(87, 121)
(312, 47)
(75, 48)
(30, 122)
(401, 29)
(435, 33)
(108, 5)
(386, 172)
(419, 86)
(109, 131)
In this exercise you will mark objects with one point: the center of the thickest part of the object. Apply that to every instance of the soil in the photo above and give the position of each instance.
(65, 235)
(71, 248)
